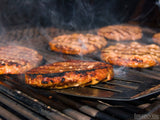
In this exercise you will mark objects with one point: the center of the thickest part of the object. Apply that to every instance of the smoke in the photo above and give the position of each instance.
(120, 72)
(67, 14)
(88, 14)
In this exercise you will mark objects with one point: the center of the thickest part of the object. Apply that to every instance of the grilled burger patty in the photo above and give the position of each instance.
(17, 59)
(156, 38)
(69, 74)
(133, 55)
(77, 44)
(121, 32)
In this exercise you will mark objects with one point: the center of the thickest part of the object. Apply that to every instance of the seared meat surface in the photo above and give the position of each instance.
(132, 55)
(156, 38)
(77, 44)
(17, 59)
(69, 74)
(121, 32)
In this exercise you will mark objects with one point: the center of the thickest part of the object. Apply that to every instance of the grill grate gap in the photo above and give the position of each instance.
(122, 85)
(61, 107)
(84, 108)
(156, 69)
(134, 81)
(134, 72)
(103, 106)
(103, 88)
(35, 105)
(7, 115)
(12, 112)
(108, 112)
(19, 109)
(155, 73)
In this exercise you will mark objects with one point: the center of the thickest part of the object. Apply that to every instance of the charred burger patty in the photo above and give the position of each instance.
(69, 74)
(132, 55)
(17, 59)
(77, 44)
(156, 38)
(121, 32)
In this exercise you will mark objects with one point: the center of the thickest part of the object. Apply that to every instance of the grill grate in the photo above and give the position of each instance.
(132, 85)
(127, 84)
(30, 104)
(25, 102)
(139, 85)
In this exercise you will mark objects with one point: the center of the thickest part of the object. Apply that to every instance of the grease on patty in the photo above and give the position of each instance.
(133, 55)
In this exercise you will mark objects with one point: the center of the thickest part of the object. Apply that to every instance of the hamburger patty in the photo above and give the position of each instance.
(69, 74)
(17, 59)
(121, 32)
(133, 55)
(156, 38)
(77, 44)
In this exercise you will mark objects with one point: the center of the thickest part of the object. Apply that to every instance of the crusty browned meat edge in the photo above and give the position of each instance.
(18, 59)
(133, 55)
(61, 75)
(156, 38)
(121, 32)
(77, 44)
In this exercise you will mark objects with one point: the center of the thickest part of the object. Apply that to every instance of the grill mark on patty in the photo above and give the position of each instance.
(129, 51)
(137, 60)
(132, 55)
(44, 82)
(89, 71)
(18, 59)
(77, 43)
(63, 79)
(60, 69)
(82, 72)
(52, 81)
(121, 32)
(14, 63)
(128, 32)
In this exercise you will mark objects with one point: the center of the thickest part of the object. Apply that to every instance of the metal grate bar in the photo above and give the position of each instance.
(83, 108)
(57, 105)
(8, 115)
(125, 106)
(105, 107)
(19, 108)
(76, 115)
(98, 111)
(34, 105)
(118, 113)
(154, 105)
(156, 69)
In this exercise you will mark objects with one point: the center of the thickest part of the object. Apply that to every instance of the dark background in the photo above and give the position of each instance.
(78, 14)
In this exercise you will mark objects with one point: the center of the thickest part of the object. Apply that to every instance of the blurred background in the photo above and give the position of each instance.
(78, 14)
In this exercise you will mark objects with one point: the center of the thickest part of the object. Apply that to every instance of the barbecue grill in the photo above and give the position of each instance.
(132, 94)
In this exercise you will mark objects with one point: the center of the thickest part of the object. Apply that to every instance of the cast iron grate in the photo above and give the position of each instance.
(128, 84)
(131, 85)
(24, 102)
(20, 101)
